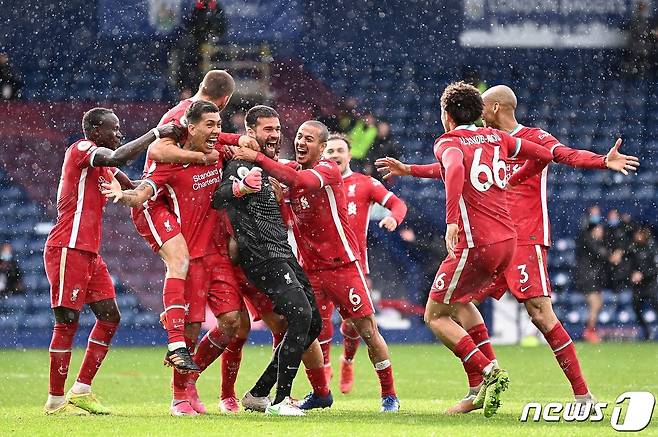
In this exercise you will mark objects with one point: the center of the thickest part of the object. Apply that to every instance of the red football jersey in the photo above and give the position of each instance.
(80, 203)
(320, 224)
(362, 193)
(528, 201)
(187, 189)
(483, 216)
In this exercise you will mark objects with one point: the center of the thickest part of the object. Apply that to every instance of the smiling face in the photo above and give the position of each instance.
(203, 134)
(338, 152)
(308, 145)
(108, 133)
(268, 134)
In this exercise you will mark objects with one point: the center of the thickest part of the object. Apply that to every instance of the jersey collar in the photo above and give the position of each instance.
(516, 129)
(348, 172)
(466, 126)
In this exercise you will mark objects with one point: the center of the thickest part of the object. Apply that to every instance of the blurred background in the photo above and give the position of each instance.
(585, 71)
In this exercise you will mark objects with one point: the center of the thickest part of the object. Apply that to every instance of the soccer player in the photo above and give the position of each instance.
(362, 193)
(262, 124)
(480, 236)
(76, 272)
(158, 221)
(527, 275)
(269, 263)
(328, 247)
(189, 188)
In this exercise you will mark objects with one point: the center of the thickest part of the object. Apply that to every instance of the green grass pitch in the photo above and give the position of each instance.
(429, 379)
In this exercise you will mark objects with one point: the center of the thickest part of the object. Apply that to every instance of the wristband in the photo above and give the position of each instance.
(156, 132)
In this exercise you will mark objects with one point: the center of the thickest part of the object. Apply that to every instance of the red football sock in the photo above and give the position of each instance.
(181, 380)
(173, 297)
(210, 347)
(565, 354)
(325, 337)
(351, 340)
(60, 356)
(385, 374)
(231, 359)
(474, 360)
(97, 347)
(277, 339)
(318, 379)
(480, 337)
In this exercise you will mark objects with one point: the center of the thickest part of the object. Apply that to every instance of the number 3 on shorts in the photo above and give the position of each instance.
(439, 283)
(524, 274)
(355, 299)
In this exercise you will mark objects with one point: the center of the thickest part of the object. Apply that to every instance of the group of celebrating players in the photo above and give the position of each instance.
(253, 236)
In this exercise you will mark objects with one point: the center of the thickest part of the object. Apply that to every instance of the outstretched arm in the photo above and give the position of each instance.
(306, 179)
(166, 150)
(614, 160)
(390, 167)
(104, 157)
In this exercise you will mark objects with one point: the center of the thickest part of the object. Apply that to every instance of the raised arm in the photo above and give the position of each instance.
(104, 157)
(537, 157)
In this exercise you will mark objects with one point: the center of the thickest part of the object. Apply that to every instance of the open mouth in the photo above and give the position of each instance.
(301, 151)
(272, 147)
(211, 141)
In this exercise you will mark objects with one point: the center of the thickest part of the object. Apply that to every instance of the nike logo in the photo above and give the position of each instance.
(355, 309)
(523, 289)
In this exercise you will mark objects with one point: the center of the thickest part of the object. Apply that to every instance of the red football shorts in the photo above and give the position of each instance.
(223, 294)
(346, 287)
(463, 278)
(155, 224)
(526, 276)
(76, 277)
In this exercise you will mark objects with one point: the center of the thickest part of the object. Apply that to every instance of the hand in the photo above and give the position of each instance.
(276, 187)
(636, 277)
(390, 167)
(620, 162)
(248, 142)
(112, 190)
(452, 232)
(244, 154)
(210, 158)
(388, 223)
(170, 130)
(251, 183)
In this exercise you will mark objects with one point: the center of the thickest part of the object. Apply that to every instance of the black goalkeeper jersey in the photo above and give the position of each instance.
(256, 218)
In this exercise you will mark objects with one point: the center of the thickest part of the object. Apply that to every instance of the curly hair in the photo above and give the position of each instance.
(463, 102)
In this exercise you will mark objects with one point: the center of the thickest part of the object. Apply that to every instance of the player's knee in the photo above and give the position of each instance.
(230, 323)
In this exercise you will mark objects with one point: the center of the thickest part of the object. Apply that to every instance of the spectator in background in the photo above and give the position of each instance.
(10, 273)
(10, 83)
(383, 146)
(617, 239)
(643, 257)
(591, 274)
(472, 77)
(641, 41)
(206, 23)
(348, 116)
(363, 136)
(592, 216)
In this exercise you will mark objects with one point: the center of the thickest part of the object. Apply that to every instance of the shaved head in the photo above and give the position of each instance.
(501, 94)
(499, 107)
